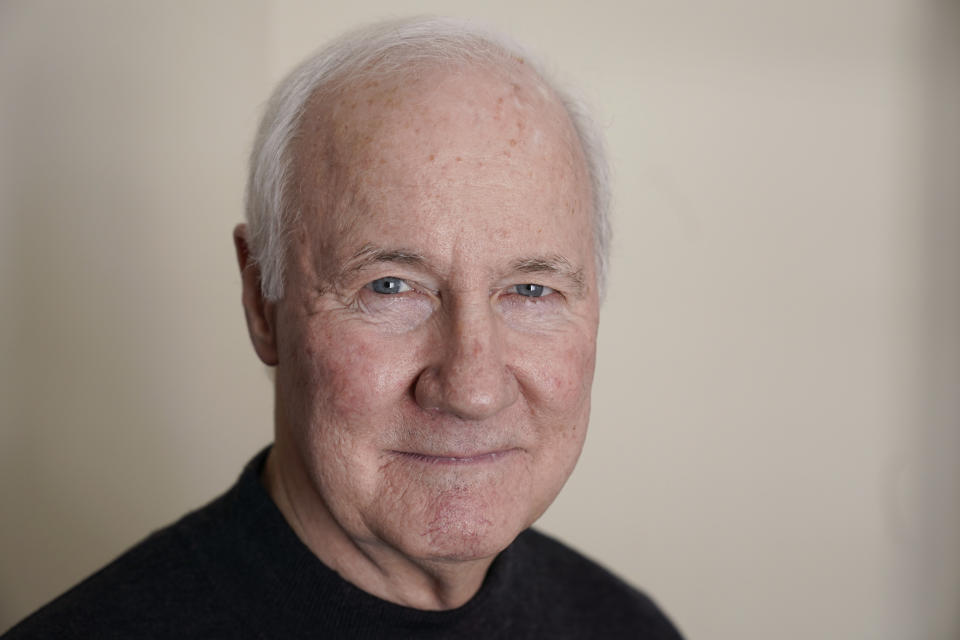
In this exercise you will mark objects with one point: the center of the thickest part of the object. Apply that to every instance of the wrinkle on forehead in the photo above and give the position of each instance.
(371, 117)
(349, 140)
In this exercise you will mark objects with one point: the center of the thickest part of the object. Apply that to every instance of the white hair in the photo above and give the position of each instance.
(389, 47)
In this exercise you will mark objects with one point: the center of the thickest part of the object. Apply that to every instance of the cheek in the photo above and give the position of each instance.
(354, 373)
(350, 388)
(559, 375)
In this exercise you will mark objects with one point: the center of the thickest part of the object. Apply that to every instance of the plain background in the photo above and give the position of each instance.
(774, 447)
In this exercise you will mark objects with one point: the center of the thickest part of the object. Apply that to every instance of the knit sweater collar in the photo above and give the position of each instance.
(294, 584)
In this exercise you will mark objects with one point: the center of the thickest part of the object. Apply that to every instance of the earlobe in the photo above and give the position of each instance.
(257, 309)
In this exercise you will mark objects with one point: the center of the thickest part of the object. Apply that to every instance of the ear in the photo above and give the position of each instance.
(260, 313)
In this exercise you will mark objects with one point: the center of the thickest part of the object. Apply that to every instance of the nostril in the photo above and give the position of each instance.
(426, 391)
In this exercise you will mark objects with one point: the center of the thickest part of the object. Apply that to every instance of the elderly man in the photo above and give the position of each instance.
(422, 265)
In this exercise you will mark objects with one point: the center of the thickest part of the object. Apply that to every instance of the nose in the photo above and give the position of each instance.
(469, 377)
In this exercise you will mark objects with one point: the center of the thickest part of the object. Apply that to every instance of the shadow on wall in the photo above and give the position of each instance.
(121, 156)
(82, 323)
(938, 578)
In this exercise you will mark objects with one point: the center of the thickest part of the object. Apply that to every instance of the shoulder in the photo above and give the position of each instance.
(583, 596)
(152, 591)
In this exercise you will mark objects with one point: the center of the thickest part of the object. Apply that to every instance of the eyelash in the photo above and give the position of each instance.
(541, 290)
(401, 283)
(533, 290)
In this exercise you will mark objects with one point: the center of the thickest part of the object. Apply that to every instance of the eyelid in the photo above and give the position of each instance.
(545, 289)
(405, 285)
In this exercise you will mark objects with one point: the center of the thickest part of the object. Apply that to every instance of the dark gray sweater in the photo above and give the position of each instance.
(235, 569)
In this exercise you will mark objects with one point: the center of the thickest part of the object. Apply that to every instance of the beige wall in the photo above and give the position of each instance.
(774, 446)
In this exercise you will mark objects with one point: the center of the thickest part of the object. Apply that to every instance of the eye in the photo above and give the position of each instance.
(389, 285)
(531, 290)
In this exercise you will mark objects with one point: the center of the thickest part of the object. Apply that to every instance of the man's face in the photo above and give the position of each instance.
(436, 339)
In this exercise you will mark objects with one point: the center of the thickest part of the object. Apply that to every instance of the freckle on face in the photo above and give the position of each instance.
(363, 408)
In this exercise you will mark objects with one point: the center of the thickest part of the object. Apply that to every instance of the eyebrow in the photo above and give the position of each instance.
(555, 265)
(370, 254)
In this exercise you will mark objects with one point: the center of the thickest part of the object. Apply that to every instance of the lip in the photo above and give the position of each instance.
(456, 458)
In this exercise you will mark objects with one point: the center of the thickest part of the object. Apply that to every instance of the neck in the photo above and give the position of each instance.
(363, 560)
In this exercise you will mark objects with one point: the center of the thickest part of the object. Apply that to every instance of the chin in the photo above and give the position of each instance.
(456, 530)
(465, 546)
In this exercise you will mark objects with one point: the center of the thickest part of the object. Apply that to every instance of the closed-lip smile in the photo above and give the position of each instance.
(456, 458)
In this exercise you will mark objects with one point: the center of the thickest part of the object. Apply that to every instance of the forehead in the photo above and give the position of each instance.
(512, 103)
(444, 146)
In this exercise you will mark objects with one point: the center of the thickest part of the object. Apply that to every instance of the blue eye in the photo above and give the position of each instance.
(531, 290)
(389, 285)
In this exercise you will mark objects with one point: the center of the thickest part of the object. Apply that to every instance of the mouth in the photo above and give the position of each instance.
(455, 458)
